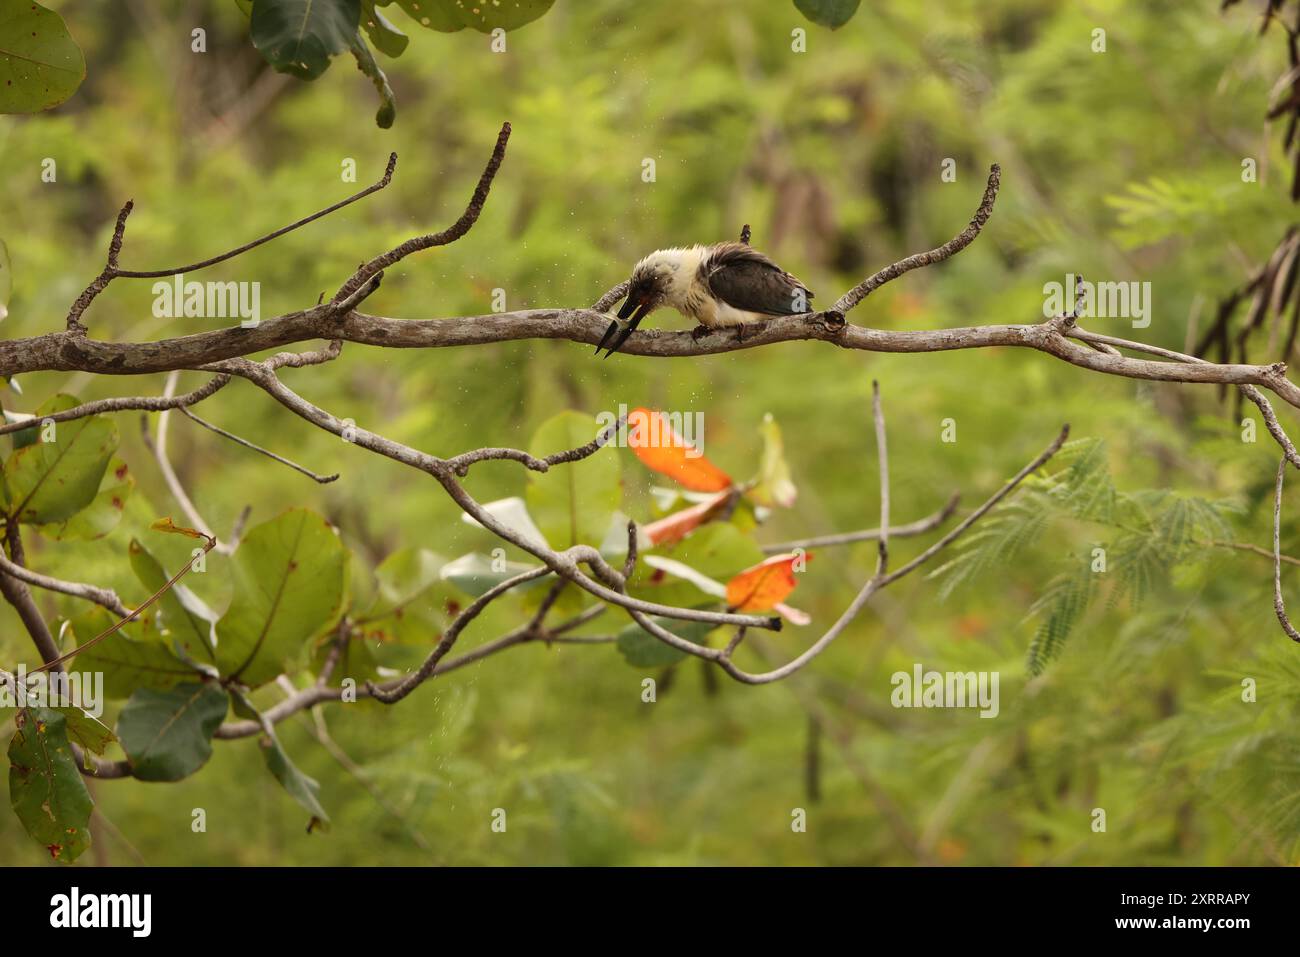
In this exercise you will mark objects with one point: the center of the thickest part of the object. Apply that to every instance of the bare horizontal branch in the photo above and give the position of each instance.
(1250, 392)
(57, 352)
(526, 634)
(105, 597)
(565, 564)
(460, 464)
(150, 403)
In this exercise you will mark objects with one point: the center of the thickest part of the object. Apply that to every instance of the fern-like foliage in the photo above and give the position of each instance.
(1145, 536)
(1000, 540)
(1058, 611)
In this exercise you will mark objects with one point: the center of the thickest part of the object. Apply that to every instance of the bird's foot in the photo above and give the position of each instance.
(699, 332)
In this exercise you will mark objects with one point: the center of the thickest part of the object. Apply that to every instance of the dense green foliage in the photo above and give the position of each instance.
(1120, 690)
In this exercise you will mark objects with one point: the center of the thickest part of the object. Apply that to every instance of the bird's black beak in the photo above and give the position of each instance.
(629, 305)
(633, 311)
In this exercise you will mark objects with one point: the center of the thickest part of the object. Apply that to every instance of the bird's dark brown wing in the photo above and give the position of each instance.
(745, 279)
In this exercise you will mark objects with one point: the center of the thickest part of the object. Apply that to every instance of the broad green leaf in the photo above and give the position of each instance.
(40, 64)
(421, 622)
(51, 481)
(828, 13)
(85, 729)
(366, 64)
(513, 514)
(710, 586)
(300, 36)
(718, 551)
(449, 16)
(475, 573)
(288, 585)
(129, 665)
(25, 436)
(572, 502)
(642, 649)
(413, 603)
(430, 13)
(362, 586)
(301, 788)
(375, 654)
(356, 662)
(402, 576)
(242, 707)
(103, 513)
(387, 39)
(774, 484)
(45, 786)
(167, 735)
(133, 658)
(391, 658)
(187, 619)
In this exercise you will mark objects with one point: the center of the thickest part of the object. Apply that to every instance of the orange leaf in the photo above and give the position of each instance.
(165, 525)
(675, 527)
(766, 585)
(652, 438)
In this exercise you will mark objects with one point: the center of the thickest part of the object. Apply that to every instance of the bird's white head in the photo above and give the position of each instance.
(661, 279)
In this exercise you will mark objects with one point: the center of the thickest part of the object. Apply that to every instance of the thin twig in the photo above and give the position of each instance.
(112, 271)
(17, 594)
(131, 615)
(919, 527)
(929, 258)
(322, 479)
(878, 415)
(979, 513)
(448, 639)
(1278, 605)
(320, 731)
(104, 597)
(342, 635)
(443, 238)
(1252, 549)
(877, 582)
(123, 404)
(158, 446)
(1249, 391)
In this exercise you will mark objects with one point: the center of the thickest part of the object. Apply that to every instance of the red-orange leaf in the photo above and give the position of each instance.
(655, 442)
(767, 584)
(675, 527)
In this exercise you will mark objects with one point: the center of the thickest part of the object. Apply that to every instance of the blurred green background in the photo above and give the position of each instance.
(1122, 165)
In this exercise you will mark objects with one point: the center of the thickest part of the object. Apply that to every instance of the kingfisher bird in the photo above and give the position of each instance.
(727, 284)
